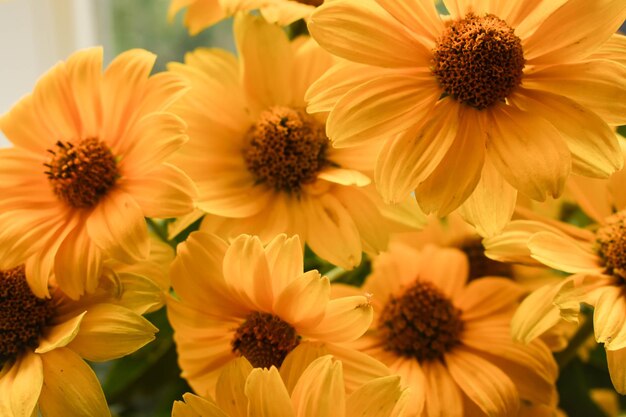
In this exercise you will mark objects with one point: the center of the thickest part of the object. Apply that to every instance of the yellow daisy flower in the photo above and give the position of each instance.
(318, 392)
(43, 342)
(470, 108)
(88, 164)
(201, 14)
(252, 301)
(450, 341)
(596, 258)
(262, 165)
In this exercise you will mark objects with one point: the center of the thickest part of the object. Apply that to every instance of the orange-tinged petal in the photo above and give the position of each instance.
(309, 63)
(59, 335)
(485, 384)
(22, 127)
(612, 49)
(410, 157)
(70, 387)
(459, 171)
(564, 253)
(446, 268)
(162, 192)
(339, 27)
(378, 397)
(346, 319)
(381, 108)
(443, 397)
(331, 232)
(109, 331)
(536, 314)
(320, 390)
(285, 260)
(596, 84)
(417, 15)
(609, 315)
(358, 368)
(20, 385)
(267, 394)
(117, 226)
(593, 196)
(594, 146)
(229, 392)
(413, 377)
(298, 360)
(344, 176)
(303, 302)
(573, 31)
(284, 13)
(488, 296)
(195, 406)
(266, 72)
(490, 207)
(617, 370)
(84, 69)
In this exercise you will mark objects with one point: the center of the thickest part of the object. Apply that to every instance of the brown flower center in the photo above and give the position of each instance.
(421, 323)
(264, 340)
(481, 266)
(611, 244)
(315, 3)
(81, 172)
(479, 60)
(286, 148)
(23, 316)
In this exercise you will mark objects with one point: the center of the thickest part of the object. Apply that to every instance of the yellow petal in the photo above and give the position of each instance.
(416, 15)
(310, 62)
(320, 390)
(229, 392)
(195, 406)
(608, 319)
(60, 335)
(346, 319)
(564, 253)
(446, 268)
(617, 370)
(365, 33)
(536, 314)
(376, 398)
(485, 384)
(70, 387)
(20, 385)
(267, 394)
(487, 296)
(443, 397)
(528, 151)
(108, 331)
(303, 302)
(117, 226)
(84, 70)
(285, 260)
(266, 75)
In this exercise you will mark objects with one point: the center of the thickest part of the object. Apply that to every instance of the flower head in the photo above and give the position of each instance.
(43, 341)
(470, 109)
(263, 165)
(88, 164)
(450, 341)
(255, 301)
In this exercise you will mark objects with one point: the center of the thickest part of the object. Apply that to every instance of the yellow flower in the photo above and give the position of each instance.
(595, 257)
(470, 108)
(253, 301)
(262, 165)
(43, 342)
(87, 166)
(318, 392)
(450, 341)
(201, 14)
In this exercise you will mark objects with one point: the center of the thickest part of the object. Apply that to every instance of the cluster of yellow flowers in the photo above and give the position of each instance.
(343, 141)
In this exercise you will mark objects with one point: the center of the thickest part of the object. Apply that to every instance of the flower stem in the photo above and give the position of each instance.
(580, 338)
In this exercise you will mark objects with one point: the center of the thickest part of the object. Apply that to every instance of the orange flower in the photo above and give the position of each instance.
(450, 341)
(470, 108)
(88, 165)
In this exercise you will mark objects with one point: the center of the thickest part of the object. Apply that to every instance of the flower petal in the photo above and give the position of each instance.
(70, 387)
(303, 302)
(573, 31)
(20, 386)
(378, 397)
(84, 70)
(320, 390)
(267, 395)
(446, 268)
(564, 253)
(346, 319)
(488, 296)
(109, 331)
(485, 384)
(363, 32)
(594, 146)
(59, 335)
(443, 397)
(117, 226)
(418, 16)
(229, 392)
(609, 315)
(595, 84)
(617, 370)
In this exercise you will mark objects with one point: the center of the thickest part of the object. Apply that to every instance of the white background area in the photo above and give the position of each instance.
(34, 35)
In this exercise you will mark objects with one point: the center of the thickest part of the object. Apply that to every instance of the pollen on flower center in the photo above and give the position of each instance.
(611, 244)
(286, 148)
(479, 264)
(264, 340)
(81, 172)
(421, 323)
(23, 316)
(478, 60)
